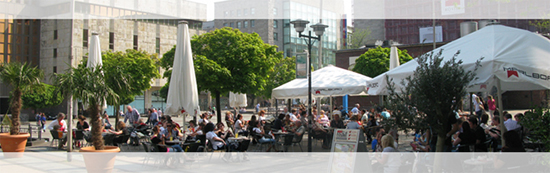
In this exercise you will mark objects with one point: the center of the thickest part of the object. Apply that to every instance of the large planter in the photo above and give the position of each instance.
(99, 160)
(13, 145)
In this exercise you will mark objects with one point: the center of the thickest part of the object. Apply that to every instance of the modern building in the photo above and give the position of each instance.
(270, 19)
(55, 41)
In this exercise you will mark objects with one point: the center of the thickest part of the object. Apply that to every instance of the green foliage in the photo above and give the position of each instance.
(283, 72)
(41, 97)
(429, 95)
(542, 25)
(358, 38)
(537, 121)
(140, 65)
(377, 61)
(22, 77)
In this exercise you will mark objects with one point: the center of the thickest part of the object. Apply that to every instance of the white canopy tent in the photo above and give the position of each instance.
(519, 59)
(326, 82)
(513, 60)
(237, 100)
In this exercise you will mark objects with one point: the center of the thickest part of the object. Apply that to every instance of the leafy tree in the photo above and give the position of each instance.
(229, 60)
(537, 120)
(358, 38)
(22, 77)
(429, 97)
(42, 97)
(377, 61)
(92, 87)
(283, 72)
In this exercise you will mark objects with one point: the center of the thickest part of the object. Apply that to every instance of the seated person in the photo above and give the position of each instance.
(353, 124)
(158, 142)
(217, 142)
(465, 138)
(82, 124)
(105, 122)
(337, 122)
(62, 136)
(170, 133)
(323, 119)
(221, 132)
(116, 137)
(298, 130)
(494, 132)
(262, 136)
(376, 147)
(421, 141)
(320, 133)
(278, 123)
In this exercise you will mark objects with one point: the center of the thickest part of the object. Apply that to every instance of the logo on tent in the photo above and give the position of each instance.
(512, 73)
(483, 86)
(317, 92)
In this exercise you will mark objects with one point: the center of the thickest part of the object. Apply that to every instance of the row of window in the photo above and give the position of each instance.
(243, 24)
(238, 12)
(85, 37)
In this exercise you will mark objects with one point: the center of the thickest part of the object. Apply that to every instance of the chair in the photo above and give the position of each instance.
(79, 136)
(202, 143)
(55, 136)
(123, 141)
(299, 141)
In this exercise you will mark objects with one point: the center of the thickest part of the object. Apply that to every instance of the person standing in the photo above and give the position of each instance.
(153, 117)
(258, 108)
(491, 105)
(355, 109)
(131, 115)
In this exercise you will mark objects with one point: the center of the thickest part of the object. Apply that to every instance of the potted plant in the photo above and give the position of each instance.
(22, 78)
(93, 88)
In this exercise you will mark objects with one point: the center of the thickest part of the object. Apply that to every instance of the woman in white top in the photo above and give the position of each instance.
(260, 132)
(239, 124)
(217, 142)
(261, 117)
(391, 159)
(323, 119)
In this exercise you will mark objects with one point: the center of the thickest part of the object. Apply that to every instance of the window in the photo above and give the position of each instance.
(226, 13)
(135, 42)
(224, 24)
(252, 23)
(232, 25)
(54, 69)
(275, 24)
(85, 38)
(111, 40)
(55, 34)
(54, 53)
(275, 36)
(252, 11)
(238, 24)
(238, 12)
(245, 12)
(274, 11)
(232, 13)
(157, 45)
(245, 24)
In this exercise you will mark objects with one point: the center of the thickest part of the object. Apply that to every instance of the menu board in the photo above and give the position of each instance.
(348, 141)
(346, 135)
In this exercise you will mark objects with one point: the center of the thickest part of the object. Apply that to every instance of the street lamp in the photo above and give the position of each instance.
(319, 29)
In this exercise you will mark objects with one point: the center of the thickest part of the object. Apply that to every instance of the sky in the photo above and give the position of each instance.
(210, 8)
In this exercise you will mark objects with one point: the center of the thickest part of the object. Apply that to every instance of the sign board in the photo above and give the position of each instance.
(301, 65)
(348, 141)
(450, 7)
(426, 34)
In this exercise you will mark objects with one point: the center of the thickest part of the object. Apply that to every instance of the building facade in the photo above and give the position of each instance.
(270, 19)
(54, 45)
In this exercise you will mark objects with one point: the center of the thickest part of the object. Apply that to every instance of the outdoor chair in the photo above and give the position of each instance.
(79, 137)
(55, 138)
(299, 141)
(123, 141)
(256, 140)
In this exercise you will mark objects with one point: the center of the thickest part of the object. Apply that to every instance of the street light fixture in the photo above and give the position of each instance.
(319, 29)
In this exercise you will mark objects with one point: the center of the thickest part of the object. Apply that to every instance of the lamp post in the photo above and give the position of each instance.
(319, 29)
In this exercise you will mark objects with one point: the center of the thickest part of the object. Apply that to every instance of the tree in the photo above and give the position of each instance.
(91, 86)
(142, 68)
(429, 97)
(358, 38)
(377, 61)
(42, 97)
(22, 77)
(283, 72)
(227, 60)
(537, 120)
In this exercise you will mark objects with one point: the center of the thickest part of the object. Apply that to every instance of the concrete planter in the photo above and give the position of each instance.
(99, 160)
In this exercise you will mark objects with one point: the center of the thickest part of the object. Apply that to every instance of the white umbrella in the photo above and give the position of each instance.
(394, 57)
(94, 56)
(237, 100)
(183, 95)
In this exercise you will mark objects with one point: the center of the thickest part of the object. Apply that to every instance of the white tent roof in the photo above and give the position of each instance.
(237, 100)
(519, 58)
(328, 81)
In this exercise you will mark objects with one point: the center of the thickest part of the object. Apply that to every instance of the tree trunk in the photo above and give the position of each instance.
(253, 98)
(97, 128)
(438, 160)
(219, 106)
(117, 115)
(15, 111)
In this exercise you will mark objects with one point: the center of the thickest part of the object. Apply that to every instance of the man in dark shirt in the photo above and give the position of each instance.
(451, 128)
(479, 135)
(337, 122)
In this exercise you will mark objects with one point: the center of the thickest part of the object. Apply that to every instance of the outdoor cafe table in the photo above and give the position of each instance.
(280, 135)
(235, 140)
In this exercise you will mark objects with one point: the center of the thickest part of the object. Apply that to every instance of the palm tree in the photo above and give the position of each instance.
(22, 77)
(94, 88)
